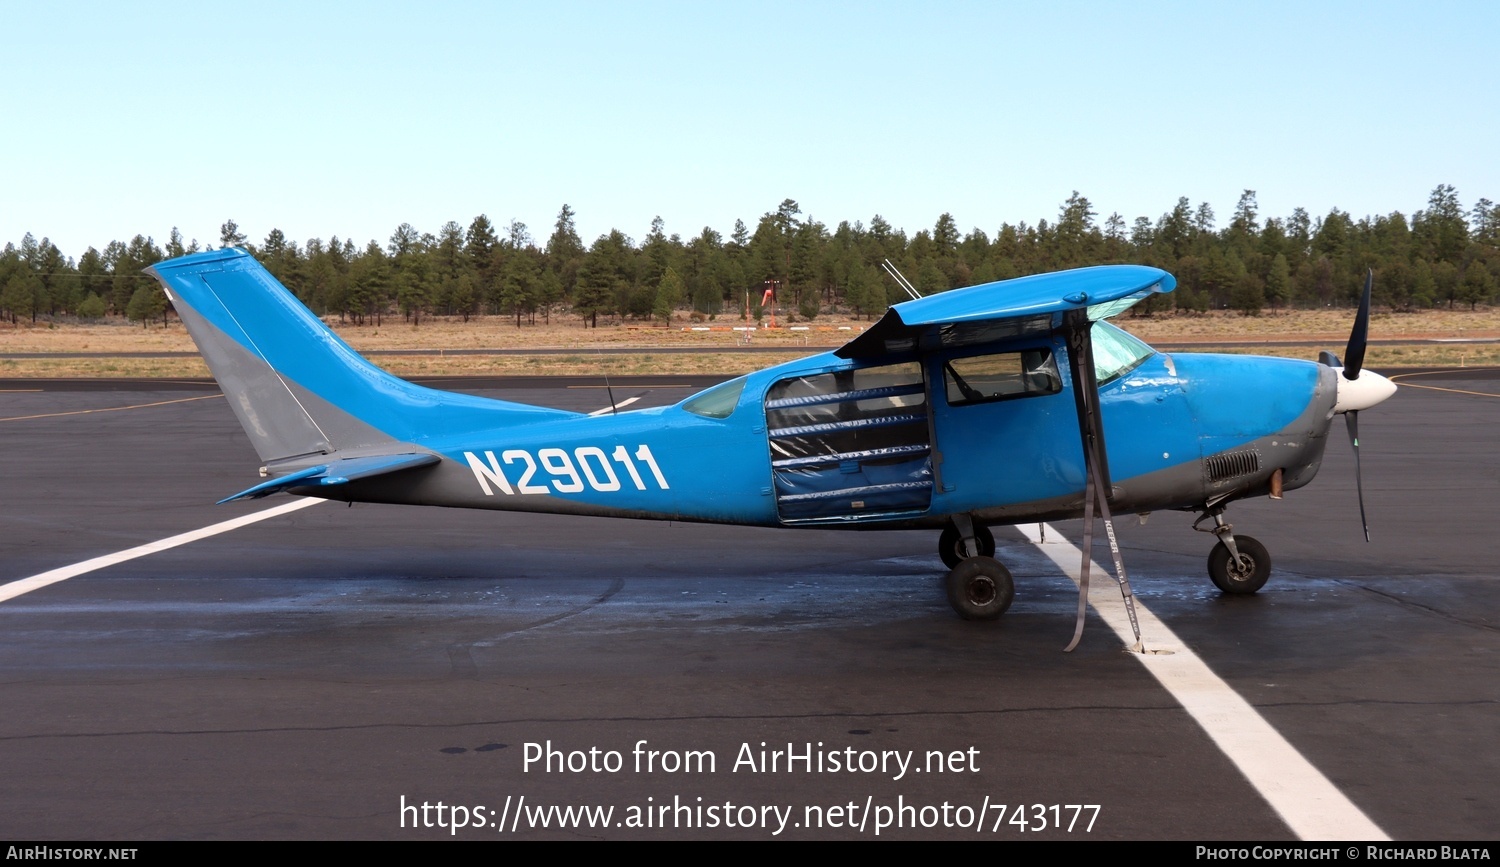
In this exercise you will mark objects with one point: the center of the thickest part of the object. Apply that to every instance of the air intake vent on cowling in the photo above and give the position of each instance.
(1232, 465)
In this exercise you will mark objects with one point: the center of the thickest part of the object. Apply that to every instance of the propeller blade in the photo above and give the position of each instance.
(1328, 359)
(1351, 418)
(1354, 355)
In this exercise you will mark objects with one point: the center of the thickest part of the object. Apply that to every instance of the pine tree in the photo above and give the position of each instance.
(1278, 283)
(230, 235)
(462, 297)
(1477, 285)
(91, 308)
(146, 304)
(669, 293)
(1441, 231)
(17, 296)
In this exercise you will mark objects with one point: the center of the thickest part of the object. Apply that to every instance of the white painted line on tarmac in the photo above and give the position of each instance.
(63, 573)
(1305, 799)
(621, 405)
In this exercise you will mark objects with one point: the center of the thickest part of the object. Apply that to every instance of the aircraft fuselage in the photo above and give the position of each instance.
(1182, 430)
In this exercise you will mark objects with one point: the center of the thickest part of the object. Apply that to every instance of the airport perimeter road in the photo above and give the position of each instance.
(336, 672)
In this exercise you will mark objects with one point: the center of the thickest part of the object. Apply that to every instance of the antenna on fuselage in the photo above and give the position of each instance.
(900, 279)
(604, 369)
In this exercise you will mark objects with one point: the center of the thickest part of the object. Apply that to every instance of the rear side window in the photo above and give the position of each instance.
(717, 402)
(848, 411)
(850, 445)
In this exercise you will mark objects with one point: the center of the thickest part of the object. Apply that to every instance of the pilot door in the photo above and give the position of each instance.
(853, 445)
(1007, 433)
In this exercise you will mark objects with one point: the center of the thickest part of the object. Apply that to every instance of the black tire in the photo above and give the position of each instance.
(980, 588)
(1246, 579)
(951, 544)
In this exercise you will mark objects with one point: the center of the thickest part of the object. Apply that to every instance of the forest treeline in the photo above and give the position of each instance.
(1443, 255)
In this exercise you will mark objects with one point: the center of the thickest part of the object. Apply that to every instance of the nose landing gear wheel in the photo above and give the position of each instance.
(951, 544)
(1244, 577)
(980, 588)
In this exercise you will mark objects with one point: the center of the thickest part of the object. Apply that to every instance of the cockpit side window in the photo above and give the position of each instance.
(1006, 375)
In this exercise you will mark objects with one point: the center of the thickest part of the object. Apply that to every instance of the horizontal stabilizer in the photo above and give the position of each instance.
(336, 473)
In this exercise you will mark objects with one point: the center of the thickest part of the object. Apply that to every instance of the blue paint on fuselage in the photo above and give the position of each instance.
(1239, 398)
(1163, 413)
(1003, 454)
(717, 469)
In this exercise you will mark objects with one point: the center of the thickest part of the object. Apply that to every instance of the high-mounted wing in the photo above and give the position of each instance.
(1010, 308)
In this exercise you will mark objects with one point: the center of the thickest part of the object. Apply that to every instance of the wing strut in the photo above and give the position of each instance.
(1097, 487)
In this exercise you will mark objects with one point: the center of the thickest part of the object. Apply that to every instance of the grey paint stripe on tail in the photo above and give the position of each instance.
(277, 423)
(259, 352)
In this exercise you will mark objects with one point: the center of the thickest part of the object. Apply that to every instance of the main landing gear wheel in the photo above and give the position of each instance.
(1244, 577)
(951, 544)
(980, 588)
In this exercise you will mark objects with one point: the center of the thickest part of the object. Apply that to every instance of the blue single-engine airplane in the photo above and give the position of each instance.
(976, 407)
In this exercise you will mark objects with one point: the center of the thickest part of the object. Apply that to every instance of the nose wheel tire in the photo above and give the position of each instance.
(980, 588)
(1244, 577)
(951, 544)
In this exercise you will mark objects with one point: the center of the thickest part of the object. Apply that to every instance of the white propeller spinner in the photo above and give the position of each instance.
(1356, 394)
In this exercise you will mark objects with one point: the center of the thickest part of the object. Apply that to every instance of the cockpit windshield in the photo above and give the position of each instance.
(1116, 352)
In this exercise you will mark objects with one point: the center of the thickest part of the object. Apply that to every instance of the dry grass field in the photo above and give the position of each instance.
(110, 345)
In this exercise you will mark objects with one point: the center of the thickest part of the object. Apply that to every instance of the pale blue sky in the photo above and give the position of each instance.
(348, 119)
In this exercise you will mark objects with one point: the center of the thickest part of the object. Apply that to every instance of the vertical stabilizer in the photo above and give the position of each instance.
(297, 388)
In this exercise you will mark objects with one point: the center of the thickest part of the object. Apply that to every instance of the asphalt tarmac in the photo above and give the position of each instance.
(310, 675)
